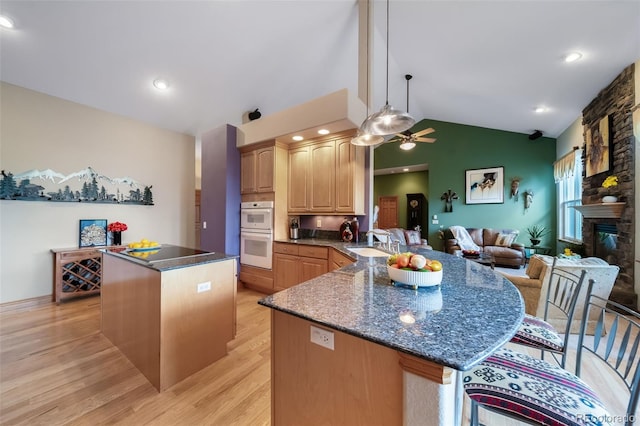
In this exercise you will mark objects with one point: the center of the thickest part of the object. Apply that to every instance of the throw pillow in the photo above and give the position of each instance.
(505, 240)
(412, 237)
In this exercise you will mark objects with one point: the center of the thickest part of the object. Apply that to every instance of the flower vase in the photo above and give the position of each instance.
(117, 238)
(609, 199)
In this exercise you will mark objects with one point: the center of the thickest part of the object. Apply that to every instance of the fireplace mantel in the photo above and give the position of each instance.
(601, 210)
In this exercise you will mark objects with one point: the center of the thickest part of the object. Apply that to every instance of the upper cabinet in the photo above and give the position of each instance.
(257, 170)
(263, 177)
(326, 176)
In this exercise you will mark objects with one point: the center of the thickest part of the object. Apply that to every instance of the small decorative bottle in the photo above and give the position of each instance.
(355, 228)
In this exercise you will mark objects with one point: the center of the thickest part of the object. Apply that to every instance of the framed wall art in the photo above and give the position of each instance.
(597, 155)
(93, 232)
(485, 186)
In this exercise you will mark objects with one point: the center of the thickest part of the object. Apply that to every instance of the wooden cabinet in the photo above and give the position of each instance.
(326, 177)
(337, 260)
(295, 263)
(350, 177)
(298, 188)
(257, 170)
(256, 278)
(76, 272)
(322, 177)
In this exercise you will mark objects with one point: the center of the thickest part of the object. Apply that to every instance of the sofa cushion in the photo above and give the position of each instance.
(476, 235)
(413, 237)
(505, 239)
(504, 252)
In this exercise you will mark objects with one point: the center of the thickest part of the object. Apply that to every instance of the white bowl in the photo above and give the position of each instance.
(415, 278)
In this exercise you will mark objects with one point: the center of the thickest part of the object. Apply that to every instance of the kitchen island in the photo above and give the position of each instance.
(384, 354)
(171, 311)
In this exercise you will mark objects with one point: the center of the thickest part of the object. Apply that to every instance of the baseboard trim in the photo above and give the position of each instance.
(25, 304)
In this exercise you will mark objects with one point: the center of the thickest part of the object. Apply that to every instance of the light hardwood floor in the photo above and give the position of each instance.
(56, 368)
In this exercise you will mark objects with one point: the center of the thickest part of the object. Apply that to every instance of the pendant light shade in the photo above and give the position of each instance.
(366, 139)
(388, 120)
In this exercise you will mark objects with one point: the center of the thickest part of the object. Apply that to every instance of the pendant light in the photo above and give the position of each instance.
(408, 143)
(388, 120)
(362, 138)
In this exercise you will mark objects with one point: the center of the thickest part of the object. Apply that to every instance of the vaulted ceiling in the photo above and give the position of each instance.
(483, 63)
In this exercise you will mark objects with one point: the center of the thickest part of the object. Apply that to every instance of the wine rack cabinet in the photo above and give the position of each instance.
(77, 272)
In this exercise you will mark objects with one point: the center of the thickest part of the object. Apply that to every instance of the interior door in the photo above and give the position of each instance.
(388, 214)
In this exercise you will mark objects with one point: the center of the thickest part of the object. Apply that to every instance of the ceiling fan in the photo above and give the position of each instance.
(407, 139)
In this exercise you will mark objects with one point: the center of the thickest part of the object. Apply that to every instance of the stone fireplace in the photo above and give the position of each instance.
(605, 242)
(608, 229)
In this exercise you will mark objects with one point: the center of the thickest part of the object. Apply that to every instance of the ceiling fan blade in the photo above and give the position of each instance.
(430, 140)
(424, 132)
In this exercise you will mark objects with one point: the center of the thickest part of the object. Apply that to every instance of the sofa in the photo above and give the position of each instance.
(506, 252)
(533, 286)
(409, 238)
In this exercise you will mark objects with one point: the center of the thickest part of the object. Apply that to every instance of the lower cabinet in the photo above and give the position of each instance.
(337, 260)
(256, 278)
(295, 263)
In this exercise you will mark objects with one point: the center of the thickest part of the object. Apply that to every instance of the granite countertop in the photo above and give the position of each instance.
(457, 324)
(198, 257)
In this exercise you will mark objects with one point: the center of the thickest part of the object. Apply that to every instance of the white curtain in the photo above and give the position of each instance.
(566, 166)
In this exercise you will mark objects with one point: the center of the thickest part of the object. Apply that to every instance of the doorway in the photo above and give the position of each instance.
(388, 215)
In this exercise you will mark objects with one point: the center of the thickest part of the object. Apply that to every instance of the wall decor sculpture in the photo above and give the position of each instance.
(448, 198)
(515, 188)
(485, 186)
(87, 186)
(597, 156)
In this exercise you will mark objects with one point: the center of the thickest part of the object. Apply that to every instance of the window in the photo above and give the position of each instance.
(568, 177)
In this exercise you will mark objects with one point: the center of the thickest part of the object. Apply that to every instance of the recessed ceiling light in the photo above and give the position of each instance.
(540, 109)
(572, 57)
(297, 138)
(323, 132)
(161, 84)
(405, 170)
(6, 22)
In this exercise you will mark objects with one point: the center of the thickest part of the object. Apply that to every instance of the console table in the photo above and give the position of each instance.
(77, 272)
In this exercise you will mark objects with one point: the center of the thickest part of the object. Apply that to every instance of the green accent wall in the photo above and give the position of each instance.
(460, 147)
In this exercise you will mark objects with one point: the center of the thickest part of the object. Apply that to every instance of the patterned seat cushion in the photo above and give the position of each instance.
(537, 333)
(533, 390)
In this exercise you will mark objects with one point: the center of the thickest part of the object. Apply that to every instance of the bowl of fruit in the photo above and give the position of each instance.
(470, 253)
(414, 270)
(143, 245)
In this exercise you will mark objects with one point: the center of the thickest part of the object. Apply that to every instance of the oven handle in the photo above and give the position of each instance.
(257, 235)
(254, 211)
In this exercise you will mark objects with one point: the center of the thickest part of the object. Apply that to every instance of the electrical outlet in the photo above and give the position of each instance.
(322, 337)
(319, 223)
(206, 286)
(204, 225)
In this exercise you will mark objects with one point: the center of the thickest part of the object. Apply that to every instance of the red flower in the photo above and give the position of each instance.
(117, 227)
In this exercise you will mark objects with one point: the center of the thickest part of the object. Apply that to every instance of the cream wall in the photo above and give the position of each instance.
(38, 131)
(572, 136)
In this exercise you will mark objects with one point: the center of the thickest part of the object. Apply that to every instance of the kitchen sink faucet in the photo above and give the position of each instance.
(384, 237)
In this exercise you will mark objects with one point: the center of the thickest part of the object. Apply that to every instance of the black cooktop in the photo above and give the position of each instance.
(165, 252)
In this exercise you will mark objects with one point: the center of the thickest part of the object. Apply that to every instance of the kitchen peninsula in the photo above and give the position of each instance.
(171, 311)
(349, 348)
